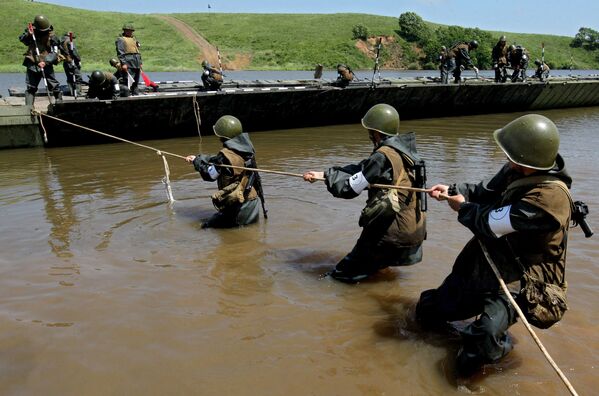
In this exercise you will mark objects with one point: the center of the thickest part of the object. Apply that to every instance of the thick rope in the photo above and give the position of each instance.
(523, 318)
(408, 188)
(161, 152)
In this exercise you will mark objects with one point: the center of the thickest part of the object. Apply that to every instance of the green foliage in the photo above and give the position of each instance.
(586, 38)
(412, 27)
(360, 32)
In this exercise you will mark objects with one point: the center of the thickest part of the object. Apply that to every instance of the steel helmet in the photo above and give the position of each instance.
(128, 26)
(205, 64)
(537, 62)
(502, 39)
(41, 23)
(97, 78)
(531, 140)
(512, 48)
(114, 62)
(473, 44)
(227, 127)
(382, 118)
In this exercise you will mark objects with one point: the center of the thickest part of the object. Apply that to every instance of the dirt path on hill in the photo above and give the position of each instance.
(207, 50)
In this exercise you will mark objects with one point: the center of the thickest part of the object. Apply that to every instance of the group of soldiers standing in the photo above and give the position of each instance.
(504, 57)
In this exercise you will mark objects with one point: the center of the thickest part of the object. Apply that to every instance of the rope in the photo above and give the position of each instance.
(112, 136)
(166, 179)
(42, 124)
(196, 113)
(523, 318)
(161, 153)
(322, 179)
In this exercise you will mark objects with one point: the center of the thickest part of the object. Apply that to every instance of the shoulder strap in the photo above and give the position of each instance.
(542, 179)
(396, 162)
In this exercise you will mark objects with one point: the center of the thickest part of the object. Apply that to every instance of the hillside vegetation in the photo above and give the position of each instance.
(265, 41)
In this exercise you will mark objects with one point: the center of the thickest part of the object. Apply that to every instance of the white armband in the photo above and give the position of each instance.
(212, 172)
(499, 221)
(116, 87)
(358, 182)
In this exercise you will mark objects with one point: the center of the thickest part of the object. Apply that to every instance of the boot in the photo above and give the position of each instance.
(58, 96)
(29, 98)
(78, 89)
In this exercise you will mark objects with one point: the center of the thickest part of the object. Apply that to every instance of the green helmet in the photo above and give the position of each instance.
(205, 64)
(382, 118)
(114, 62)
(531, 140)
(41, 23)
(502, 39)
(97, 78)
(128, 26)
(227, 127)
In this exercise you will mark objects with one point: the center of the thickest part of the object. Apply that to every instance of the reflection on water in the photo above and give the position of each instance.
(102, 279)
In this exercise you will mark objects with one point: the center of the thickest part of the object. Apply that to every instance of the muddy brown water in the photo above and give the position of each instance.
(106, 289)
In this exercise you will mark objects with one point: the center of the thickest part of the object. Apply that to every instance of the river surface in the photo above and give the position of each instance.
(105, 288)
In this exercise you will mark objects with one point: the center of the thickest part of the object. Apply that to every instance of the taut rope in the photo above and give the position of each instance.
(165, 180)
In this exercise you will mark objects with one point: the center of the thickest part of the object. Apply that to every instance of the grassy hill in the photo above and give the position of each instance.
(268, 41)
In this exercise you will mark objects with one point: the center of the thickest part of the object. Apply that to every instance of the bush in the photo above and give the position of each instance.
(360, 32)
(412, 27)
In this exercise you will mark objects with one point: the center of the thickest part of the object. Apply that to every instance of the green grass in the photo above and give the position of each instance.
(289, 41)
(273, 41)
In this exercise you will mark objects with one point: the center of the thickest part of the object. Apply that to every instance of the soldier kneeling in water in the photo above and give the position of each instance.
(236, 200)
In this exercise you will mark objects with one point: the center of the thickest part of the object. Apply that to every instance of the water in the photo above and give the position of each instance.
(106, 289)
(17, 80)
